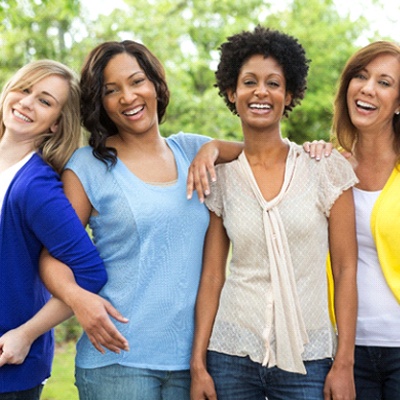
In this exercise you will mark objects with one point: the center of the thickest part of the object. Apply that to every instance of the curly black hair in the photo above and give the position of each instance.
(285, 49)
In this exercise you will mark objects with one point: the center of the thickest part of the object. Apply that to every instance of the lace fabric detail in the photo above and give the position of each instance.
(273, 306)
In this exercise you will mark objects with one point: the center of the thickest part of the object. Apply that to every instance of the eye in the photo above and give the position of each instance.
(359, 76)
(26, 90)
(138, 81)
(108, 91)
(249, 82)
(384, 83)
(273, 84)
(45, 102)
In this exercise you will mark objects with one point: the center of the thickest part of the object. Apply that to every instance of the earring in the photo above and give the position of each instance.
(397, 112)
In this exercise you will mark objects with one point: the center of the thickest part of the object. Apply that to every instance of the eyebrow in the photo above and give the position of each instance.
(129, 77)
(381, 75)
(49, 94)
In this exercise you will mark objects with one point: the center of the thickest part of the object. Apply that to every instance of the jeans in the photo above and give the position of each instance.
(240, 378)
(377, 373)
(30, 394)
(128, 383)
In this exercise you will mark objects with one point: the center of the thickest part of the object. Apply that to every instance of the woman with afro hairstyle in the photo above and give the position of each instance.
(264, 329)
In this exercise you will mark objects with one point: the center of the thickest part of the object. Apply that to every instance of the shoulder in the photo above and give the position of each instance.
(83, 154)
(36, 174)
(188, 139)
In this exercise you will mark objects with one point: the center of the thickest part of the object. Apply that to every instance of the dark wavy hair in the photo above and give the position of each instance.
(344, 133)
(93, 115)
(285, 49)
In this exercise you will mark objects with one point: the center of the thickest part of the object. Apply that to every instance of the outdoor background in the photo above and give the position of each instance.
(185, 36)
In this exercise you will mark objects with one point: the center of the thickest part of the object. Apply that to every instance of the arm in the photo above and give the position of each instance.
(91, 310)
(211, 153)
(16, 343)
(211, 283)
(343, 249)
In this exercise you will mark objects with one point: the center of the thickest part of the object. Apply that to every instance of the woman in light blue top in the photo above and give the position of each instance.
(129, 185)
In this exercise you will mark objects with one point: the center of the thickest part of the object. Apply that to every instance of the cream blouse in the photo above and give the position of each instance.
(274, 306)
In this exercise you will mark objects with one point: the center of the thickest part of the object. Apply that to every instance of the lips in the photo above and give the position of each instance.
(365, 106)
(260, 106)
(19, 115)
(133, 111)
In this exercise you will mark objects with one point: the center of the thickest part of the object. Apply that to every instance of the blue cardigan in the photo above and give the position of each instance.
(36, 213)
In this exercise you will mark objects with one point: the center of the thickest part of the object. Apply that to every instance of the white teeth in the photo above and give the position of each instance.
(260, 106)
(368, 106)
(21, 116)
(134, 111)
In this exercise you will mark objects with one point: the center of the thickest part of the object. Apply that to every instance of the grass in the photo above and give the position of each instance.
(60, 385)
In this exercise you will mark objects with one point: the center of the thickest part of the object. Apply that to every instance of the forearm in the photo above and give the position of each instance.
(227, 150)
(212, 281)
(59, 280)
(52, 313)
(346, 314)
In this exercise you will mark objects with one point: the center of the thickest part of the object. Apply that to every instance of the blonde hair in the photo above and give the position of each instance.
(55, 148)
(344, 133)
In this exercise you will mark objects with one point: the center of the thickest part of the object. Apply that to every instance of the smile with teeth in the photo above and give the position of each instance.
(365, 106)
(261, 106)
(134, 111)
(21, 116)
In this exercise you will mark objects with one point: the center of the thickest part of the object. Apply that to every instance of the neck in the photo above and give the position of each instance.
(375, 147)
(12, 152)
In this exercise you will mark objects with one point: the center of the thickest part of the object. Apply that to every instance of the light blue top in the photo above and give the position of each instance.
(151, 240)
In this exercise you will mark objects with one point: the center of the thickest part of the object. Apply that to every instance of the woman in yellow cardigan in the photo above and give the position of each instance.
(366, 124)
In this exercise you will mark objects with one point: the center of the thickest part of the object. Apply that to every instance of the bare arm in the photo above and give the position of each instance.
(343, 249)
(16, 343)
(212, 281)
(92, 311)
(202, 166)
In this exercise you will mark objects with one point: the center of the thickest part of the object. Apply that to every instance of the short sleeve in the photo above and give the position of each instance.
(190, 143)
(336, 175)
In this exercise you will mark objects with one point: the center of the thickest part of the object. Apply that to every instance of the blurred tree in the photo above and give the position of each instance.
(36, 29)
(185, 36)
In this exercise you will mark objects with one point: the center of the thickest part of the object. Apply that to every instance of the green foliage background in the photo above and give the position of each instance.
(185, 35)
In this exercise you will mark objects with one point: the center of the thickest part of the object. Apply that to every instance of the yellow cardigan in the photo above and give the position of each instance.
(385, 228)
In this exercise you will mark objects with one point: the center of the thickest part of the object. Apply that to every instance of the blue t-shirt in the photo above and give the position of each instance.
(36, 213)
(151, 240)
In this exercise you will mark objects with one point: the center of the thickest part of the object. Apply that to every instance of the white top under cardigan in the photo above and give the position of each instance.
(273, 306)
(378, 320)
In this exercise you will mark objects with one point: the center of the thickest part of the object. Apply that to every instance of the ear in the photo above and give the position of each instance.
(231, 95)
(54, 127)
(288, 98)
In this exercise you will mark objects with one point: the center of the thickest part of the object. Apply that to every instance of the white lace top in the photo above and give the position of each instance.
(274, 306)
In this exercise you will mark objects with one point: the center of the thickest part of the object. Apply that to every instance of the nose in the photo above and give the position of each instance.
(261, 90)
(368, 88)
(26, 101)
(127, 96)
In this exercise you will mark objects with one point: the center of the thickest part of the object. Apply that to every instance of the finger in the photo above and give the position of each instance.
(328, 149)
(198, 185)
(103, 339)
(115, 313)
(306, 147)
(109, 336)
(189, 185)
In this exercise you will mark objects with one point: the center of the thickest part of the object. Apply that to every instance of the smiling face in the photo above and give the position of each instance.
(260, 96)
(373, 94)
(35, 110)
(129, 97)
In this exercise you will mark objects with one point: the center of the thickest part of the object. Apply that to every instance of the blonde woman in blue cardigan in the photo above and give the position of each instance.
(366, 124)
